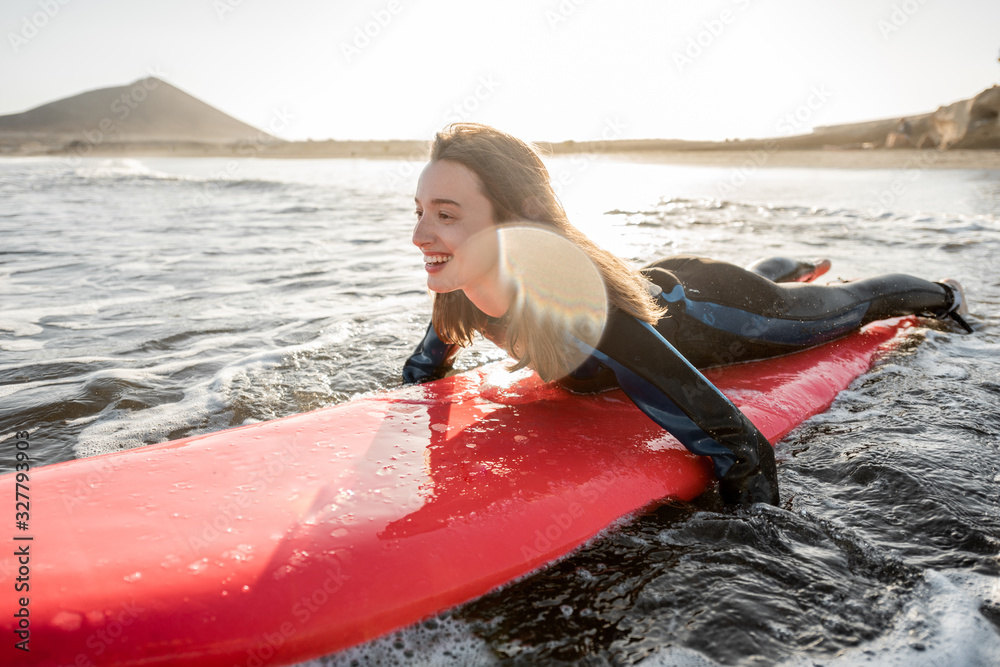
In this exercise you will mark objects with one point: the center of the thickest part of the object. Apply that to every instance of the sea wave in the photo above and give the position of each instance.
(137, 311)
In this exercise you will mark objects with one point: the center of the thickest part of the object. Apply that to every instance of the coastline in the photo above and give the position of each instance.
(848, 158)
(171, 123)
(748, 155)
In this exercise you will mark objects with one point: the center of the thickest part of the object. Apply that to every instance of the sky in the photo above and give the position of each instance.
(544, 70)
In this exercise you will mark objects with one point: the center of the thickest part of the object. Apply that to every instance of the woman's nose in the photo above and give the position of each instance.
(421, 234)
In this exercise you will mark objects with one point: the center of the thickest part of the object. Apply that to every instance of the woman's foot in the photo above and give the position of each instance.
(959, 304)
(818, 266)
(958, 308)
(786, 270)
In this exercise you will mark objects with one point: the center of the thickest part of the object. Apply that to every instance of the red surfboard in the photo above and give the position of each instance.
(282, 541)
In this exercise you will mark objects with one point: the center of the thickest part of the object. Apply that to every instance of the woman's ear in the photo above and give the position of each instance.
(532, 209)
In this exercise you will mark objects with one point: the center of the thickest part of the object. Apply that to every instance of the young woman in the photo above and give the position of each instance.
(661, 322)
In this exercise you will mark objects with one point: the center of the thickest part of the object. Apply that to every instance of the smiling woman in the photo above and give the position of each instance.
(455, 231)
(657, 326)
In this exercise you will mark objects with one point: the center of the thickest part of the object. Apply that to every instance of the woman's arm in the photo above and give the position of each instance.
(431, 360)
(675, 395)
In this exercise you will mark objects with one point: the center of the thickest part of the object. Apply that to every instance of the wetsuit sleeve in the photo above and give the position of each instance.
(674, 394)
(431, 360)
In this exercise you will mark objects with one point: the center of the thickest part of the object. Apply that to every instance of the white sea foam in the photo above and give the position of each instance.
(441, 642)
(204, 403)
(679, 656)
(21, 345)
(20, 326)
(151, 425)
(941, 625)
(118, 167)
(26, 321)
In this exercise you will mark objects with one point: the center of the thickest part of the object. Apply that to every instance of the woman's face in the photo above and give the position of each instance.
(456, 231)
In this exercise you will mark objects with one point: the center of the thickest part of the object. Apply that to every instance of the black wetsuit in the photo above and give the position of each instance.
(718, 313)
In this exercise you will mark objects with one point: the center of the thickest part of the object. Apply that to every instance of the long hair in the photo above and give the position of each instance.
(515, 181)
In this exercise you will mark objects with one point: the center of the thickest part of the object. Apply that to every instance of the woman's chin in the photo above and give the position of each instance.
(439, 287)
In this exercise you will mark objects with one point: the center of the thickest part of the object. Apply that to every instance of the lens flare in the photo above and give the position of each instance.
(558, 287)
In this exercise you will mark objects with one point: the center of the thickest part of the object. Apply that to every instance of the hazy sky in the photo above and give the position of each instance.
(541, 69)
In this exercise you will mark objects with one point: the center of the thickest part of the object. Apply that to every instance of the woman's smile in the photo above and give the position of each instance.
(457, 234)
(435, 262)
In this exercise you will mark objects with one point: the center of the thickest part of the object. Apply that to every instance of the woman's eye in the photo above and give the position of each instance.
(418, 213)
(444, 216)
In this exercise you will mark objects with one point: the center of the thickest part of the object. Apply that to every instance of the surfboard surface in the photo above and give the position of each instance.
(285, 540)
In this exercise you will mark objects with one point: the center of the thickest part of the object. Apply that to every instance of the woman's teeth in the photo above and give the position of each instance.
(436, 259)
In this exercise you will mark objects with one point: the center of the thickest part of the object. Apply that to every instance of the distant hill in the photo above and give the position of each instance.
(972, 123)
(967, 124)
(149, 110)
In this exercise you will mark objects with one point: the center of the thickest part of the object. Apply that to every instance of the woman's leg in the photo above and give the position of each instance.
(720, 313)
(787, 270)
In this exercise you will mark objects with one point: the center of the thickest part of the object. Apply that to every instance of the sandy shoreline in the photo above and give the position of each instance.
(752, 155)
(831, 159)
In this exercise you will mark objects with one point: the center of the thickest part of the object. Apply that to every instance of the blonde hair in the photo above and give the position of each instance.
(513, 178)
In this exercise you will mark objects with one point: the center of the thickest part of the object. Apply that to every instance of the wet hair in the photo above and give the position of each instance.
(513, 178)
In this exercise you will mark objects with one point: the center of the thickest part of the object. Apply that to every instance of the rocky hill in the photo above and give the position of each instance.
(971, 123)
(148, 111)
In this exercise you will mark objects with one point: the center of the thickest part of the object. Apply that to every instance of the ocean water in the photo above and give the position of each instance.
(148, 299)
